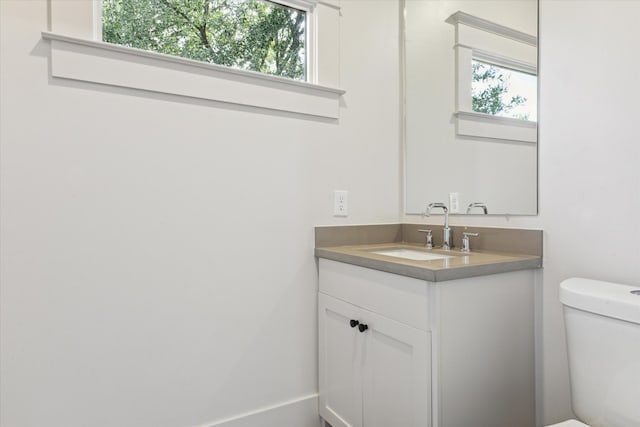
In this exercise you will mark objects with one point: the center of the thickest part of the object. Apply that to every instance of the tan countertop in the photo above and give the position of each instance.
(460, 265)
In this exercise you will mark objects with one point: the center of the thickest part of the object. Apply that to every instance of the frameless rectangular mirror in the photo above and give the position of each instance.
(470, 107)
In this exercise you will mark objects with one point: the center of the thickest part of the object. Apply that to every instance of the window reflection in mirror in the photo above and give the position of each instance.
(503, 92)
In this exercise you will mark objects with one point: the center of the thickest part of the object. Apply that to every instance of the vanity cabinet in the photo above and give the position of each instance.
(457, 353)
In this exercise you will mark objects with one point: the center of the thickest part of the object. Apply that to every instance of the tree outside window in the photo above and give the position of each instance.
(503, 92)
(253, 35)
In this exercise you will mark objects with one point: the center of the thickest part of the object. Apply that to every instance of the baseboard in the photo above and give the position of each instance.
(300, 412)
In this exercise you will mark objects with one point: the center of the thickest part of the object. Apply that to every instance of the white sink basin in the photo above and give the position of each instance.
(411, 254)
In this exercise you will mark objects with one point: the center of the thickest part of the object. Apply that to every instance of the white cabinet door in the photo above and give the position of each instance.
(397, 374)
(340, 363)
(379, 377)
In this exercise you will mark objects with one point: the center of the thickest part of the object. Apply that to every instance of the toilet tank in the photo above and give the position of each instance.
(602, 322)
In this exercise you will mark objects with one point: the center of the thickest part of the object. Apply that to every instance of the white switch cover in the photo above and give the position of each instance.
(454, 202)
(340, 203)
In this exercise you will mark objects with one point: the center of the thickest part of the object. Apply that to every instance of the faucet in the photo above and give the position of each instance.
(446, 239)
(477, 205)
(466, 246)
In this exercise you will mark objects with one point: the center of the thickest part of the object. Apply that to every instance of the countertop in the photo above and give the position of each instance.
(459, 266)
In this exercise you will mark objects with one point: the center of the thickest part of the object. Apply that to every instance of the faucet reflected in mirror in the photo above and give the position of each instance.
(446, 236)
(480, 205)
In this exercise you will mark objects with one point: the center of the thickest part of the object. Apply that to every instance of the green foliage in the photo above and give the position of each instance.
(489, 89)
(252, 35)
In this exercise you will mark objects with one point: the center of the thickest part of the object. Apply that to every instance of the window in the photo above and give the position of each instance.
(78, 52)
(255, 35)
(503, 92)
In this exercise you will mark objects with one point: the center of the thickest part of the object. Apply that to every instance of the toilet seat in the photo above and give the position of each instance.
(569, 423)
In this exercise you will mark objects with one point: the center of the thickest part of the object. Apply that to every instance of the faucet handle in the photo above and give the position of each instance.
(429, 239)
(466, 246)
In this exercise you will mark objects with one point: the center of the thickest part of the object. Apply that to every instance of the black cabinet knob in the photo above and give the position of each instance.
(354, 323)
(362, 327)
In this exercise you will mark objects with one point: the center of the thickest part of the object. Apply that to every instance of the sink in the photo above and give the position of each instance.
(411, 254)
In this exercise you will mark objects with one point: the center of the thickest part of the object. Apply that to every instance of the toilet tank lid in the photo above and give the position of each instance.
(604, 298)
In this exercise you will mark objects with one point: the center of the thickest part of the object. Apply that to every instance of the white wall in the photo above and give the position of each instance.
(589, 155)
(157, 262)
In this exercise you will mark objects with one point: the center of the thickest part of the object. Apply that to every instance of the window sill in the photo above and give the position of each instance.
(481, 125)
(108, 64)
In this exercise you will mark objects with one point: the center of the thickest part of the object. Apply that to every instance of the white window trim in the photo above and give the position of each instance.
(93, 61)
(503, 61)
(480, 125)
(470, 123)
(97, 19)
(484, 24)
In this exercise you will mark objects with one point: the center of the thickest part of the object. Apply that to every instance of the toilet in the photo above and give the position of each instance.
(602, 322)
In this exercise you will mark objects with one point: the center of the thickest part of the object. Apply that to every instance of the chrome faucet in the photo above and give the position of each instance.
(477, 205)
(446, 239)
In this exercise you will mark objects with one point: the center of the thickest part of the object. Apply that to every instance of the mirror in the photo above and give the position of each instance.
(470, 132)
